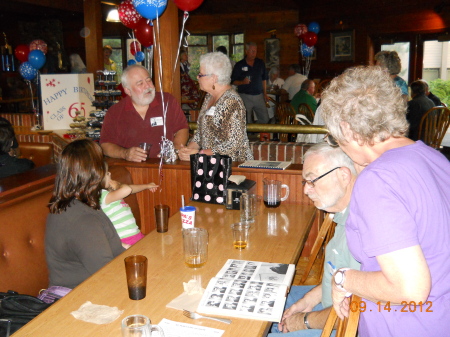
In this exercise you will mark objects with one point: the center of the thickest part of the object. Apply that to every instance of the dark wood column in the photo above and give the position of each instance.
(169, 35)
(93, 21)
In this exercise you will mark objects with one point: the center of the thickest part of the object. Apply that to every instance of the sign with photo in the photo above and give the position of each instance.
(62, 96)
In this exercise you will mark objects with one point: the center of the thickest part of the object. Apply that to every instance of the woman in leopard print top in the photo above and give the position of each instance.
(222, 119)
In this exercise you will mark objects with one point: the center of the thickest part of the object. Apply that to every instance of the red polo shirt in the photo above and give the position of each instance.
(124, 126)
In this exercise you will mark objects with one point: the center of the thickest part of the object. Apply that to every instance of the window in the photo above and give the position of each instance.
(402, 48)
(116, 55)
(202, 44)
(436, 60)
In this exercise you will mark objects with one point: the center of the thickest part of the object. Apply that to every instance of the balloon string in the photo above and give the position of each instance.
(160, 77)
(177, 59)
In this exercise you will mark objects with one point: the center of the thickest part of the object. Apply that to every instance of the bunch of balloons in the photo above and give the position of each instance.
(307, 36)
(32, 58)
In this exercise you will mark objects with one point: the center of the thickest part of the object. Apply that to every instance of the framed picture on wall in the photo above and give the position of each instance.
(272, 52)
(343, 46)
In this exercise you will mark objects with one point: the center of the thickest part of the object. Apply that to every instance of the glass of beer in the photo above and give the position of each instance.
(240, 235)
(136, 271)
(195, 243)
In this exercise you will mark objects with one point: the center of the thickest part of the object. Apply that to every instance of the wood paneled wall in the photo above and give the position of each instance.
(255, 26)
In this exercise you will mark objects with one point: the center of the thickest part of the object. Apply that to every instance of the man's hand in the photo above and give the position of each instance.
(340, 303)
(300, 307)
(135, 154)
(293, 323)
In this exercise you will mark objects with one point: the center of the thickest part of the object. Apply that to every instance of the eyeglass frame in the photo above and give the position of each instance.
(311, 182)
(200, 75)
(330, 140)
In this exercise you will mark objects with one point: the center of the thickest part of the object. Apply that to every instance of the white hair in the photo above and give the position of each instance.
(333, 155)
(218, 64)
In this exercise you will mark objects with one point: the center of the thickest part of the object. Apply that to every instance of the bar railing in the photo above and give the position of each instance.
(279, 128)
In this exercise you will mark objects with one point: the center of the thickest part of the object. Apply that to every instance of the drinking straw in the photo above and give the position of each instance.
(182, 201)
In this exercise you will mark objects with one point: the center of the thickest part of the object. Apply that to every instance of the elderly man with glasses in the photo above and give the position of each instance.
(329, 178)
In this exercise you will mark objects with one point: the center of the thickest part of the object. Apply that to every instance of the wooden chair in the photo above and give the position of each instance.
(434, 125)
(285, 114)
(326, 232)
(305, 110)
(346, 327)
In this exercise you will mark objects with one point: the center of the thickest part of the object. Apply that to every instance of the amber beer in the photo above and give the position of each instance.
(240, 234)
(240, 244)
(195, 244)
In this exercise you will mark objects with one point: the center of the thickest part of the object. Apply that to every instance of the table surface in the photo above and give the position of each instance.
(276, 236)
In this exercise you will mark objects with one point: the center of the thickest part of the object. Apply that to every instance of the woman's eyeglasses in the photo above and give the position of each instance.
(330, 140)
(200, 75)
(311, 182)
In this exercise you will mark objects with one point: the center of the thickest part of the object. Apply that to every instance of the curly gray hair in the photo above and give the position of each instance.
(218, 64)
(390, 60)
(366, 99)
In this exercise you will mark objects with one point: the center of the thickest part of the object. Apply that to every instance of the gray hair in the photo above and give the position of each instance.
(274, 70)
(218, 64)
(390, 60)
(249, 44)
(296, 68)
(367, 100)
(124, 78)
(332, 155)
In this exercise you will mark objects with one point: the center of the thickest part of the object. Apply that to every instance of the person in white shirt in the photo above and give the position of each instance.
(274, 82)
(294, 81)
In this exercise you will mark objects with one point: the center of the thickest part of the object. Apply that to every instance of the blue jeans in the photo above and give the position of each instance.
(296, 293)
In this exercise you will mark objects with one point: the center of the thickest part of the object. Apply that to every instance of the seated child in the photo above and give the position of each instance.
(119, 212)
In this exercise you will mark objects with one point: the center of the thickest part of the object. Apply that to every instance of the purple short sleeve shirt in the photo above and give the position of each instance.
(401, 200)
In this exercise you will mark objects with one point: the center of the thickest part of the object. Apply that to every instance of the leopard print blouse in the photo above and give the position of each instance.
(222, 128)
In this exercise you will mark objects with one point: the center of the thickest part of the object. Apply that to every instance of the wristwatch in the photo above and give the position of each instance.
(305, 321)
(339, 280)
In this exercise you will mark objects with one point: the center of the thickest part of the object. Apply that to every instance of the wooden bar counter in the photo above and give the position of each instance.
(175, 181)
(278, 235)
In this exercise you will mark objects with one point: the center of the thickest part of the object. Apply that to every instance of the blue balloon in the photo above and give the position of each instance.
(307, 51)
(36, 58)
(139, 56)
(314, 27)
(150, 9)
(27, 71)
(131, 62)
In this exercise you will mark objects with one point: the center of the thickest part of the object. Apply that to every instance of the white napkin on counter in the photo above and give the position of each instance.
(190, 298)
(95, 313)
(237, 179)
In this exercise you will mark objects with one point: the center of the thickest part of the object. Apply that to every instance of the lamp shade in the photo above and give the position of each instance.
(113, 16)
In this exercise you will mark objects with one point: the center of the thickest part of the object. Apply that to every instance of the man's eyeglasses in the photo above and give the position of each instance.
(330, 140)
(200, 75)
(312, 182)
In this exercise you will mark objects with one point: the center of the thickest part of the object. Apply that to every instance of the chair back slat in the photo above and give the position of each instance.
(433, 126)
(347, 327)
(305, 110)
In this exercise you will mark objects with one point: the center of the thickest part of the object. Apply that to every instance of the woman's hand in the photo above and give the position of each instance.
(185, 152)
(340, 303)
(152, 187)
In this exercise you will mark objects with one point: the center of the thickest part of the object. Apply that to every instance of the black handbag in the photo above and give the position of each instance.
(209, 177)
(17, 310)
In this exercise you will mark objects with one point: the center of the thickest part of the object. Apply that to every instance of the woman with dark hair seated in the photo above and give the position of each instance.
(79, 239)
(9, 164)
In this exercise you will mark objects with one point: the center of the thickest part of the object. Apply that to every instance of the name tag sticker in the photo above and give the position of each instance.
(210, 111)
(156, 121)
(244, 68)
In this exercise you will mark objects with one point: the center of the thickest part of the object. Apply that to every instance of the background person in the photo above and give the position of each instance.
(436, 100)
(189, 89)
(139, 118)
(79, 238)
(109, 64)
(330, 192)
(274, 83)
(398, 227)
(250, 76)
(417, 107)
(293, 83)
(305, 95)
(9, 163)
(221, 122)
(391, 61)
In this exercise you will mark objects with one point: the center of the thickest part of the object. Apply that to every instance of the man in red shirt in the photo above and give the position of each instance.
(139, 118)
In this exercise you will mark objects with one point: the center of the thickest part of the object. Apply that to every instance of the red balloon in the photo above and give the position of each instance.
(188, 5)
(144, 33)
(128, 14)
(300, 29)
(134, 47)
(39, 45)
(21, 52)
(309, 38)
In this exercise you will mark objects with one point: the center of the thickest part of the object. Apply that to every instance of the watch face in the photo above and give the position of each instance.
(338, 277)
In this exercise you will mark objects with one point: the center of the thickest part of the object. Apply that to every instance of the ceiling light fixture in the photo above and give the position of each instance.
(113, 16)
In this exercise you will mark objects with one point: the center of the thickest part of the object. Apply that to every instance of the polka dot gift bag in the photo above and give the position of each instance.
(209, 177)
